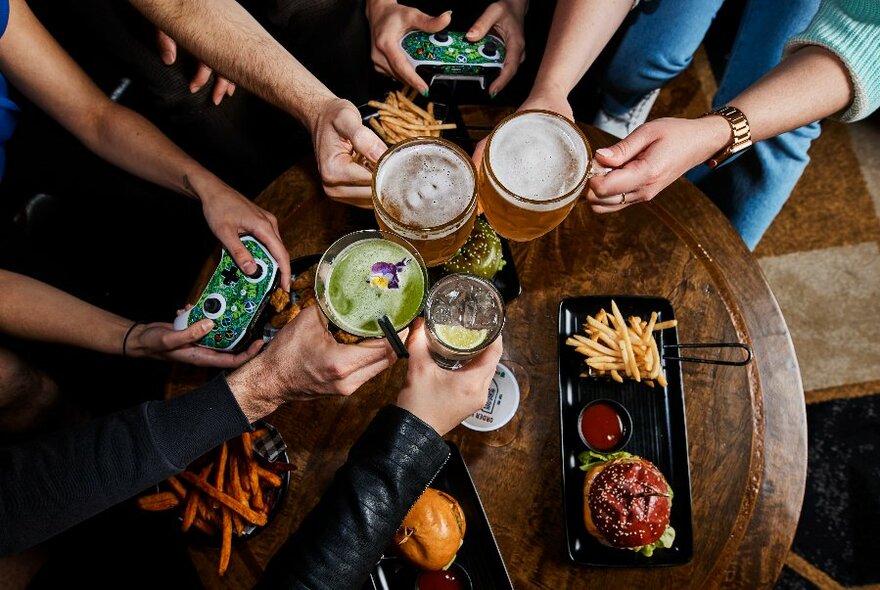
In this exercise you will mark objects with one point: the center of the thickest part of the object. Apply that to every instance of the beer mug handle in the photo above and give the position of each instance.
(596, 169)
(363, 161)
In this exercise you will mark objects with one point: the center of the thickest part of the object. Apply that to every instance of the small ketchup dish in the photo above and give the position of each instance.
(604, 426)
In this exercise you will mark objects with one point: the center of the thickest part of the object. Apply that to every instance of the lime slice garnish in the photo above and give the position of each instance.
(460, 337)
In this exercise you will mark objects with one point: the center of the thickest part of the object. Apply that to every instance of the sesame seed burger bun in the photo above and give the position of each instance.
(627, 502)
(432, 531)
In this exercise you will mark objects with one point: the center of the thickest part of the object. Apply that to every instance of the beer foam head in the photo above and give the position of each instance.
(425, 185)
(538, 156)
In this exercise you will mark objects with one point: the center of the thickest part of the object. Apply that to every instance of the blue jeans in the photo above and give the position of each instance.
(660, 42)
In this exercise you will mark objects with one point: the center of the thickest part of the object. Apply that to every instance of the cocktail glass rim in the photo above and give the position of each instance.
(458, 219)
(371, 234)
(491, 337)
(487, 165)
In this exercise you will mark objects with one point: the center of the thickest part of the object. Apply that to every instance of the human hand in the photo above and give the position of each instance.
(229, 215)
(305, 361)
(652, 157)
(389, 23)
(159, 340)
(168, 53)
(506, 17)
(439, 397)
(337, 129)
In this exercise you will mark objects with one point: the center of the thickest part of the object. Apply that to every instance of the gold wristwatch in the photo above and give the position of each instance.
(741, 135)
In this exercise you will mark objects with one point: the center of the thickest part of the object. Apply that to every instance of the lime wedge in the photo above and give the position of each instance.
(460, 337)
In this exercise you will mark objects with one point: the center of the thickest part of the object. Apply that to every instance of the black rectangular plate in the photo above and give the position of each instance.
(659, 431)
(478, 555)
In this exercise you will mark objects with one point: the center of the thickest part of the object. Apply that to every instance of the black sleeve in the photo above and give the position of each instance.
(343, 537)
(54, 482)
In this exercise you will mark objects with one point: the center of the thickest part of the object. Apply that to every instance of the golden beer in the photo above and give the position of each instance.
(424, 190)
(534, 168)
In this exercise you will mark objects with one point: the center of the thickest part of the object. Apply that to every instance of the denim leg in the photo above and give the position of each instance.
(752, 189)
(659, 42)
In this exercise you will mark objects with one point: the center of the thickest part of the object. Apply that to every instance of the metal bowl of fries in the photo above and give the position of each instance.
(231, 492)
(399, 117)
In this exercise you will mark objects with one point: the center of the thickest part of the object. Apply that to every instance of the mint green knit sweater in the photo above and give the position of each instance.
(851, 30)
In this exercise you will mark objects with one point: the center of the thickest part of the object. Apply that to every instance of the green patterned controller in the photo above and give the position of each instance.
(449, 55)
(232, 299)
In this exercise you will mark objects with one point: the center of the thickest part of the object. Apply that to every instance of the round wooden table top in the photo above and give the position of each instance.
(746, 427)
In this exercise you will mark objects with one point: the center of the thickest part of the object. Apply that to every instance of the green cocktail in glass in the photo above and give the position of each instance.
(369, 274)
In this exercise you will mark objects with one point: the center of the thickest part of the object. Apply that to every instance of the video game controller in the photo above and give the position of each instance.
(232, 299)
(448, 55)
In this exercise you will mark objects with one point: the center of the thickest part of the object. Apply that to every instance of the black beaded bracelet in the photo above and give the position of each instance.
(127, 334)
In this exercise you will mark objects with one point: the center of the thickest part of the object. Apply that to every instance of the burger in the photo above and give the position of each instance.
(627, 502)
(481, 255)
(432, 531)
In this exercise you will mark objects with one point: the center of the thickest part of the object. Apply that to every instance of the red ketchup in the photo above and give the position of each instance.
(448, 580)
(601, 426)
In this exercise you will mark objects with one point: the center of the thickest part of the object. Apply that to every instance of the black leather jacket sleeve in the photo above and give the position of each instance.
(342, 539)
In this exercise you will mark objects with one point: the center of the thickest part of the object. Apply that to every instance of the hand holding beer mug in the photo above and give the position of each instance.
(534, 168)
(424, 190)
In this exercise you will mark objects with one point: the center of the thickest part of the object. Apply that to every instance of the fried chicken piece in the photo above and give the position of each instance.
(303, 280)
(279, 299)
(286, 316)
(344, 337)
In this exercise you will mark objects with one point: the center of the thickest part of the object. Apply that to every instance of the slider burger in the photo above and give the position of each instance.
(626, 502)
(432, 531)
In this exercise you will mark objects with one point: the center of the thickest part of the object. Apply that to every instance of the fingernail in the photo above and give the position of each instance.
(493, 95)
(604, 152)
(193, 88)
(231, 90)
(249, 267)
(206, 325)
(167, 58)
(217, 100)
(425, 93)
(471, 33)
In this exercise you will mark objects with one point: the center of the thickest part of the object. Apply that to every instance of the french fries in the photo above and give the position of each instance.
(226, 495)
(618, 348)
(400, 118)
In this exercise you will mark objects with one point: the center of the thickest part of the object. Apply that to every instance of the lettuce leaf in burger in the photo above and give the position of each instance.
(627, 502)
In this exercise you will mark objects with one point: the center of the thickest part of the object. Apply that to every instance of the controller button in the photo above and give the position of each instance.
(441, 37)
(257, 274)
(230, 276)
(212, 305)
(490, 49)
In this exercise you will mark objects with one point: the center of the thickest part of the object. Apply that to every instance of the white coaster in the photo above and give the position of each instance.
(501, 404)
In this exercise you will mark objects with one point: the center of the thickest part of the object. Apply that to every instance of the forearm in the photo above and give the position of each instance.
(224, 36)
(807, 86)
(52, 483)
(126, 139)
(37, 311)
(344, 536)
(580, 31)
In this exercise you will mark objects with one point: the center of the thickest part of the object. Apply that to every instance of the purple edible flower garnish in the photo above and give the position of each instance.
(384, 274)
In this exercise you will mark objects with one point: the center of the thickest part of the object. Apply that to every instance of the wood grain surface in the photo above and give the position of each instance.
(746, 426)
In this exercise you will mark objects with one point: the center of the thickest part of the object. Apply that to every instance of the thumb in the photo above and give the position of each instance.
(626, 149)
(434, 24)
(417, 342)
(174, 339)
(167, 48)
(486, 21)
(350, 127)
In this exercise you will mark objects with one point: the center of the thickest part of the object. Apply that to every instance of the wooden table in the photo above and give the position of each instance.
(746, 426)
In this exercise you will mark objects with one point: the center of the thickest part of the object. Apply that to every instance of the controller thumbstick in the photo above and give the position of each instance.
(211, 305)
(490, 49)
(441, 37)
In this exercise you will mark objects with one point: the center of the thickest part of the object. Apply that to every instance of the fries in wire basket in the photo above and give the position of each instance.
(230, 493)
(400, 118)
(616, 348)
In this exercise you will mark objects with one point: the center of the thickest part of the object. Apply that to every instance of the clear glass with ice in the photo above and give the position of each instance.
(464, 314)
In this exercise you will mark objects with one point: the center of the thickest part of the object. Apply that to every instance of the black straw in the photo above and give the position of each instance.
(396, 343)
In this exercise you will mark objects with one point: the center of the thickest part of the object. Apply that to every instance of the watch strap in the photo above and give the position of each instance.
(741, 135)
